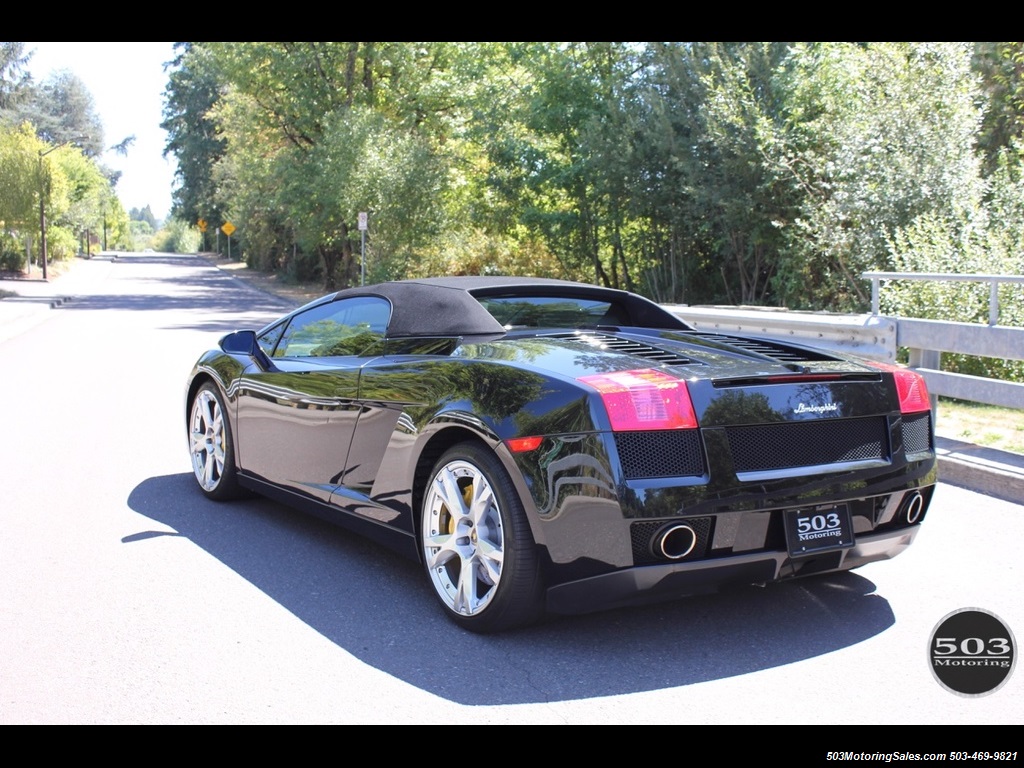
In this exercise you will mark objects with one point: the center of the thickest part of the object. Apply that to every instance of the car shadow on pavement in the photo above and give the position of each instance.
(369, 601)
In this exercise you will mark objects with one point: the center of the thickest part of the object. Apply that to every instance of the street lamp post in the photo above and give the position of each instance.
(42, 206)
(42, 197)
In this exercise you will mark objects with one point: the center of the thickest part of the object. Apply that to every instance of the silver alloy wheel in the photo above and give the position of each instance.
(463, 541)
(207, 439)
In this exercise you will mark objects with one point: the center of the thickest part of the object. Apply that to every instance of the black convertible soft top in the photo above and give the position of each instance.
(449, 306)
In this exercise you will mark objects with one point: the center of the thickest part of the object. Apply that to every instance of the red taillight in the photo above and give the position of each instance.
(644, 399)
(910, 386)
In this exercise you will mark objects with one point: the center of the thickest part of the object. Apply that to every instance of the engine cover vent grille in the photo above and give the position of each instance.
(775, 351)
(625, 346)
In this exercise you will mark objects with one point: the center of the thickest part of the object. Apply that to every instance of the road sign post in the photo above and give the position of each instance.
(228, 229)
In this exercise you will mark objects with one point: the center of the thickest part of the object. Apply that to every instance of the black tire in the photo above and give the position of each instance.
(476, 543)
(211, 445)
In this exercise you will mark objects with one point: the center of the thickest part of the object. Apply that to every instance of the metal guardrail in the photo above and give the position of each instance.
(871, 336)
(876, 279)
(928, 339)
(879, 337)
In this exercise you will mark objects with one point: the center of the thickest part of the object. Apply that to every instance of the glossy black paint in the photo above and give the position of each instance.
(352, 438)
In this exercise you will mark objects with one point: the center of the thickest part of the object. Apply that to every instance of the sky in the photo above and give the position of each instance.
(127, 83)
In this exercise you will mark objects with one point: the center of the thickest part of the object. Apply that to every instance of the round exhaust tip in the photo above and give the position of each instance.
(675, 542)
(914, 507)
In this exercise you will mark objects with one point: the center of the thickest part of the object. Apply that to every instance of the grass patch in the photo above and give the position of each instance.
(985, 425)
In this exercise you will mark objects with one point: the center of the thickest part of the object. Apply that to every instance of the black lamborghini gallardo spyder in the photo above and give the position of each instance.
(547, 446)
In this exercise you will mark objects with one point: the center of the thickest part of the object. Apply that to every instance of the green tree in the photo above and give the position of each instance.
(555, 145)
(1001, 68)
(63, 109)
(285, 111)
(19, 178)
(670, 234)
(89, 196)
(989, 239)
(727, 107)
(116, 224)
(15, 81)
(193, 89)
(176, 237)
(146, 215)
(76, 192)
(77, 196)
(880, 134)
(738, 172)
(367, 163)
(273, 116)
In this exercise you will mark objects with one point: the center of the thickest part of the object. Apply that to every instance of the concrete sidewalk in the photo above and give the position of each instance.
(25, 301)
(984, 470)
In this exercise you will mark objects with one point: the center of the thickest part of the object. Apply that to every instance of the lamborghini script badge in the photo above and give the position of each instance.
(823, 408)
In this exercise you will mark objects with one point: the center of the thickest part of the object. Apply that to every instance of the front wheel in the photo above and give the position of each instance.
(476, 543)
(211, 446)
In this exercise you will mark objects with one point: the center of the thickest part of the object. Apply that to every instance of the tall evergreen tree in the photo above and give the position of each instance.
(193, 89)
(63, 110)
(15, 80)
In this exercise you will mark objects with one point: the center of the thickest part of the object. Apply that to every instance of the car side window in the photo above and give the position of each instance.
(268, 340)
(355, 326)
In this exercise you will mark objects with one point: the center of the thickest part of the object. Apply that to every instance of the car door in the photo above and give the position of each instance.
(296, 419)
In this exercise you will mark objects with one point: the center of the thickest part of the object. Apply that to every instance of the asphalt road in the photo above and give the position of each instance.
(126, 597)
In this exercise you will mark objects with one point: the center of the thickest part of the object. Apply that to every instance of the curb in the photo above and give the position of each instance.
(287, 303)
(995, 473)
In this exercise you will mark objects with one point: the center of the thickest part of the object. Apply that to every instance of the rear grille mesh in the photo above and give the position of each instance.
(664, 453)
(768, 447)
(917, 432)
(807, 443)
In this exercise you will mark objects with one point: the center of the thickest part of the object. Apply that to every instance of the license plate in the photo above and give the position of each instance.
(817, 529)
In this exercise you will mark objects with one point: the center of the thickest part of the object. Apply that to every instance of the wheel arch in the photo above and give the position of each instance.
(219, 480)
(200, 378)
(220, 369)
(519, 598)
(435, 447)
(450, 436)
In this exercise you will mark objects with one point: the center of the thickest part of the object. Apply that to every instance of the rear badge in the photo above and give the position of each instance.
(819, 409)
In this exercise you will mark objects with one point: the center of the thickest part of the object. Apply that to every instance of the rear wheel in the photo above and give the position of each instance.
(476, 543)
(211, 445)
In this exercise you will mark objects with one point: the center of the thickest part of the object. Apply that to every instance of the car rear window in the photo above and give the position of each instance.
(553, 311)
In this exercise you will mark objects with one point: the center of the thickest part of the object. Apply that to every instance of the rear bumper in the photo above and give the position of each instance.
(653, 583)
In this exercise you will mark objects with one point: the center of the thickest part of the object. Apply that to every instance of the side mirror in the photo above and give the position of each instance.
(244, 343)
(239, 343)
